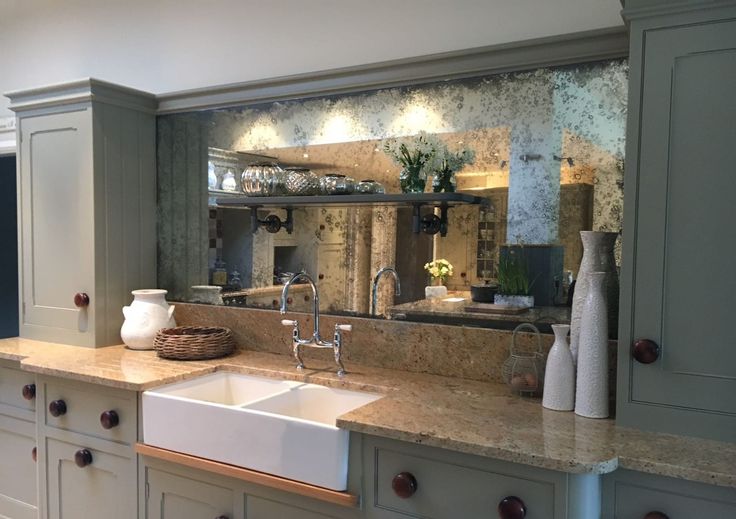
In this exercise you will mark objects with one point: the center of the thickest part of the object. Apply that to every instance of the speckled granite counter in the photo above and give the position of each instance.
(468, 416)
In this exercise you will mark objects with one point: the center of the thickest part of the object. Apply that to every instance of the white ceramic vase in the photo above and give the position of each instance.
(597, 257)
(591, 388)
(147, 314)
(559, 376)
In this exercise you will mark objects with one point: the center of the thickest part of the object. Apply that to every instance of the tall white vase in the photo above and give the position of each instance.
(597, 257)
(591, 389)
(146, 315)
(559, 376)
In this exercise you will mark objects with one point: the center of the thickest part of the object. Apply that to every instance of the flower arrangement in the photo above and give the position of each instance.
(413, 154)
(445, 163)
(439, 269)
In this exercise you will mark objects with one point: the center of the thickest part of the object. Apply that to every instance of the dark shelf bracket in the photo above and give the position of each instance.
(272, 223)
(429, 223)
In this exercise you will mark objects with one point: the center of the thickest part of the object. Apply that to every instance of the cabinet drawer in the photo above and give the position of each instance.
(446, 489)
(259, 508)
(632, 495)
(12, 382)
(83, 406)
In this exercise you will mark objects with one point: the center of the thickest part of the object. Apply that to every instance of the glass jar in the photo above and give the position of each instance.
(300, 181)
(369, 187)
(263, 179)
(336, 184)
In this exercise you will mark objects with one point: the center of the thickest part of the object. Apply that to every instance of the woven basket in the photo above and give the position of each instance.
(193, 343)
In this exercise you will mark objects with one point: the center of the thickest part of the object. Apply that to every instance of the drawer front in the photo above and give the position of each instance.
(84, 406)
(12, 382)
(259, 508)
(448, 490)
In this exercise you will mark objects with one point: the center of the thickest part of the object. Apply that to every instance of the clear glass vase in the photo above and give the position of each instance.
(412, 180)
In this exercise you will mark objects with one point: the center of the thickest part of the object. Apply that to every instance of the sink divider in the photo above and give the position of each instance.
(251, 476)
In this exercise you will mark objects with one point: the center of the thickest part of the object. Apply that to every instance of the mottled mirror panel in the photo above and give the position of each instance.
(549, 147)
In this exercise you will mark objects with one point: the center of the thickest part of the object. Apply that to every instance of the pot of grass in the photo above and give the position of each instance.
(514, 285)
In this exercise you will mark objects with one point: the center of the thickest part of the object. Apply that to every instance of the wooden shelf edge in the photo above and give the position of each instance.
(251, 476)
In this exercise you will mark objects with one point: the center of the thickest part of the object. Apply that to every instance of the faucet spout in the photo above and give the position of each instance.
(315, 299)
(381, 272)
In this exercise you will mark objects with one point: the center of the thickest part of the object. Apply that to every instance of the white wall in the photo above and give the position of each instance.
(167, 45)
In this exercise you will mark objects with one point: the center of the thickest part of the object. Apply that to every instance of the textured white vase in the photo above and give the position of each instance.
(147, 314)
(598, 256)
(591, 388)
(559, 376)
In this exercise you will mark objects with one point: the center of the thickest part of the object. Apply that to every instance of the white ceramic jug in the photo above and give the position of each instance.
(146, 315)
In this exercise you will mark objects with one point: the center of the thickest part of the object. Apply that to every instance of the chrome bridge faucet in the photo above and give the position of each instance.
(381, 272)
(315, 341)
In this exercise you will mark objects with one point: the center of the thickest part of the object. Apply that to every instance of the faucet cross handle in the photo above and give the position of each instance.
(337, 346)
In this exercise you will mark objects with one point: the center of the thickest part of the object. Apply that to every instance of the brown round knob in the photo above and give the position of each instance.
(321, 276)
(645, 351)
(306, 298)
(81, 300)
(109, 419)
(289, 300)
(404, 484)
(57, 408)
(656, 515)
(222, 517)
(34, 454)
(82, 458)
(274, 303)
(511, 507)
(29, 391)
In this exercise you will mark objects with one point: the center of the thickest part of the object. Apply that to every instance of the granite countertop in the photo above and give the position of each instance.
(462, 415)
(442, 307)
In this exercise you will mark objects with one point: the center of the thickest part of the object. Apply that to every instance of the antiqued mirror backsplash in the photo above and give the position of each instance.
(548, 148)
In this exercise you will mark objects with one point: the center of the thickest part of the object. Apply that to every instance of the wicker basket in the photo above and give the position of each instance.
(193, 343)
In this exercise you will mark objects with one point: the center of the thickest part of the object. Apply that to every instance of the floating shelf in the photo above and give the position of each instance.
(429, 223)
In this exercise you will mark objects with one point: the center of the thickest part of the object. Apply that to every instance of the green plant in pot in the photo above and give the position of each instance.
(412, 154)
(445, 163)
(514, 285)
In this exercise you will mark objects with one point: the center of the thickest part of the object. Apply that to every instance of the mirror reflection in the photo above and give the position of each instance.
(547, 162)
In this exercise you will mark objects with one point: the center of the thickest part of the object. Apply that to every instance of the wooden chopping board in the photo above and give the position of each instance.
(490, 308)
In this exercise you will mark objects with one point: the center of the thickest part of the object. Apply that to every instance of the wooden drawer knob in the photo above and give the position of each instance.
(404, 484)
(511, 507)
(222, 517)
(656, 515)
(29, 391)
(82, 458)
(81, 300)
(645, 351)
(34, 454)
(57, 408)
(109, 419)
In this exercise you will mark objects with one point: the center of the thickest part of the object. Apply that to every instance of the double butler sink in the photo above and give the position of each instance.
(279, 427)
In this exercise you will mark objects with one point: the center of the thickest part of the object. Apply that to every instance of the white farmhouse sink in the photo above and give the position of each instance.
(279, 427)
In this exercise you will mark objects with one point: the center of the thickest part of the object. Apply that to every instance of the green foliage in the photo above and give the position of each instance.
(513, 278)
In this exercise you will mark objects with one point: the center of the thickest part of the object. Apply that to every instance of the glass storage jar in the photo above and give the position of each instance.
(369, 187)
(336, 184)
(300, 181)
(263, 179)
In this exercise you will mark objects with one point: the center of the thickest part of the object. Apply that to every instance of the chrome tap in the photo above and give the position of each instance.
(376, 279)
(315, 341)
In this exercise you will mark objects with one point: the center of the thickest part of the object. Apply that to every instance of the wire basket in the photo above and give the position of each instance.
(193, 342)
(523, 371)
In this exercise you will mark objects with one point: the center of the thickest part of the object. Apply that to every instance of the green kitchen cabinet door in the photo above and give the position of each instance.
(679, 277)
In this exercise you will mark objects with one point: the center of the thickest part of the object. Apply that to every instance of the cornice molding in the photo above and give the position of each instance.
(567, 49)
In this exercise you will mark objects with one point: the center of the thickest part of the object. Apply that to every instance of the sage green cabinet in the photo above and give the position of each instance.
(632, 495)
(678, 280)
(259, 508)
(100, 489)
(172, 496)
(86, 208)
